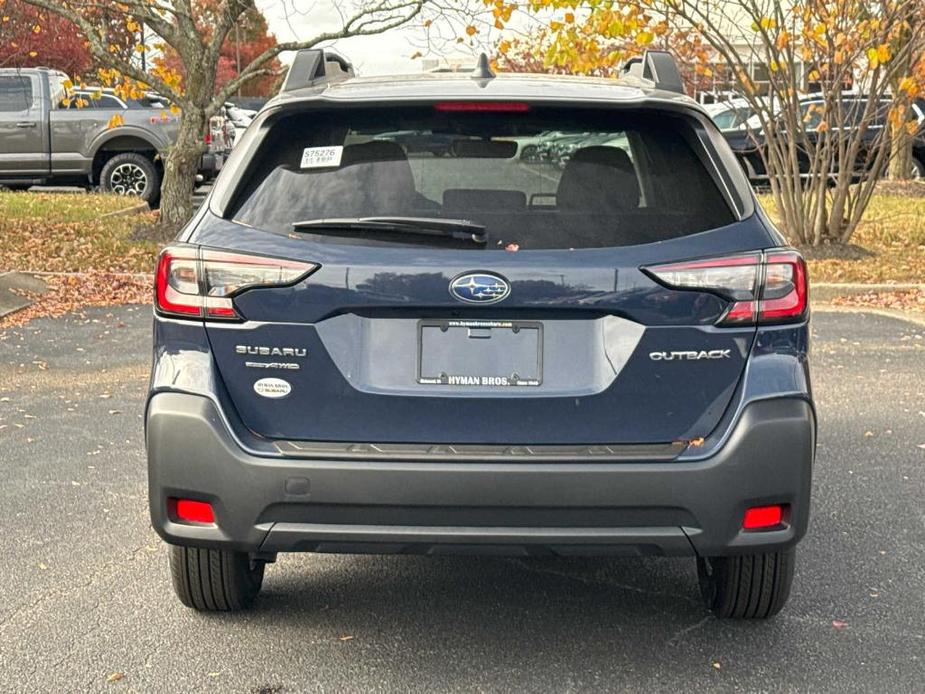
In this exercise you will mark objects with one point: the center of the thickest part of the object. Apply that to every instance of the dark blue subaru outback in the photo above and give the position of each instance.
(387, 330)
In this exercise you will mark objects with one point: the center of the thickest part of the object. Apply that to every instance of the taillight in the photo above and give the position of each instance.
(200, 283)
(768, 287)
(784, 294)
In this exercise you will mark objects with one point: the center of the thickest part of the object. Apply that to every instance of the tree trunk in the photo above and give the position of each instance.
(180, 168)
(900, 148)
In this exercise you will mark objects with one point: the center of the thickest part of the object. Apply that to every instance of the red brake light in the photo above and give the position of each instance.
(194, 283)
(491, 106)
(192, 511)
(763, 517)
(767, 288)
(177, 282)
(784, 294)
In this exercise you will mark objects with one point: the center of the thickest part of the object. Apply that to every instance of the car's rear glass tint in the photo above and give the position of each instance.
(545, 178)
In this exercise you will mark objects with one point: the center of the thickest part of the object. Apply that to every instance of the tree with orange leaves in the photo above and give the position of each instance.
(33, 37)
(822, 166)
(250, 38)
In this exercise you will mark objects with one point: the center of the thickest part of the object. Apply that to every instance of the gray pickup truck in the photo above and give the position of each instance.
(50, 136)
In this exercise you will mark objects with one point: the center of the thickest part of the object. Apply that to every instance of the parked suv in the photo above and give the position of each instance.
(364, 349)
(749, 143)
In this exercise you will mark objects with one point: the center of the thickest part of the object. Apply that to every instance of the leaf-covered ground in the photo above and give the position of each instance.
(902, 300)
(64, 232)
(888, 247)
(96, 258)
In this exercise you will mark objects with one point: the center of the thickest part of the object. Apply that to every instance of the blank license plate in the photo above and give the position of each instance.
(480, 353)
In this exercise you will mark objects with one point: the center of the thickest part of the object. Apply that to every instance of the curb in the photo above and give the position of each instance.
(909, 316)
(11, 284)
(826, 291)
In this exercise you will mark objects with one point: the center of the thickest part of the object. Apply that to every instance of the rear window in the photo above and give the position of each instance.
(544, 178)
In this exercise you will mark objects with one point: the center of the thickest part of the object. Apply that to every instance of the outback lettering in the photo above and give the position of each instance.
(690, 355)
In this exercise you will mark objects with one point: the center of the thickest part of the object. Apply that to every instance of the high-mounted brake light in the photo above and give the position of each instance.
(200, 283)
(490, 106)
(767, 288)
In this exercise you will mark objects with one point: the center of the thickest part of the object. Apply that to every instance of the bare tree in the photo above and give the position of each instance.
(177, 23)
(823, 160)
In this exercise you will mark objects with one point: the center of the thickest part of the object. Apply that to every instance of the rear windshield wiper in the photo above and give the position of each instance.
(425, 226)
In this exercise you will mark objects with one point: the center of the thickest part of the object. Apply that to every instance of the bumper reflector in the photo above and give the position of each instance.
(763, 517)
(194, 511)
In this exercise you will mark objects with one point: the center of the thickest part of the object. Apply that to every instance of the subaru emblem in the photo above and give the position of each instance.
(480, 288)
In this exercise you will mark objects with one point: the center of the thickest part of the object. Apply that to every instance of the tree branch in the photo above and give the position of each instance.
(103, 54)
(357, 25)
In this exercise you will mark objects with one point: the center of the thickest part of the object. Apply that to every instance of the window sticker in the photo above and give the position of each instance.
(321, 157)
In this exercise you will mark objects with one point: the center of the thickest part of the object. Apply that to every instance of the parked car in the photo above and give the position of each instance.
(748, 143)
(531, 148)
(421, 142)
(239, 118)
(358, 350)
(46, 139)
(730, 115)
(561, 153)
(550, 150)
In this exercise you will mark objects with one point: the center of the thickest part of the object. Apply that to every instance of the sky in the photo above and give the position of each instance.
(389, 53)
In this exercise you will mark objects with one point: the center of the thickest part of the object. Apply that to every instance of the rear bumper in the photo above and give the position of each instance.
(276, 504)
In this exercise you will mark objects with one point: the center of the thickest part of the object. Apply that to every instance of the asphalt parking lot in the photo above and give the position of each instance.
(87, 603)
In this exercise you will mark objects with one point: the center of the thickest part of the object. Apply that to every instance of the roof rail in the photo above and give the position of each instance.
(659, 67)
(313, 66)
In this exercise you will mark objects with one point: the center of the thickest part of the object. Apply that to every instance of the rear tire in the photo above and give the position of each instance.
(214, 580)
(750, 586)
(130, 173)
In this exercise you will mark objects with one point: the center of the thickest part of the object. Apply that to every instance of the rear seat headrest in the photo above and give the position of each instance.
(598, 180)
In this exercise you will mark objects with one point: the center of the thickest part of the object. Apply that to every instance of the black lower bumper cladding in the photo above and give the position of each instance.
(404, 500)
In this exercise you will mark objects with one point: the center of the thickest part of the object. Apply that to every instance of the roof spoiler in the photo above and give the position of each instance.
(659, 67)
(313, 66)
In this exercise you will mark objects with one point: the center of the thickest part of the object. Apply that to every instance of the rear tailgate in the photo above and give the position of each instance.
(550, 333)
(605, 354)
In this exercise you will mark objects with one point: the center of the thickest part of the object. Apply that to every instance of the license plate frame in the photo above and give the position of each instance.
(531, 377)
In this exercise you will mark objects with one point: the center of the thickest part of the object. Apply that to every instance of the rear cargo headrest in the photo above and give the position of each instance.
(373, 177)
(598, 180)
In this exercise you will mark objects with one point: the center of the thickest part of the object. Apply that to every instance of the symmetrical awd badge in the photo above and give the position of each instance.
(263, 351)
